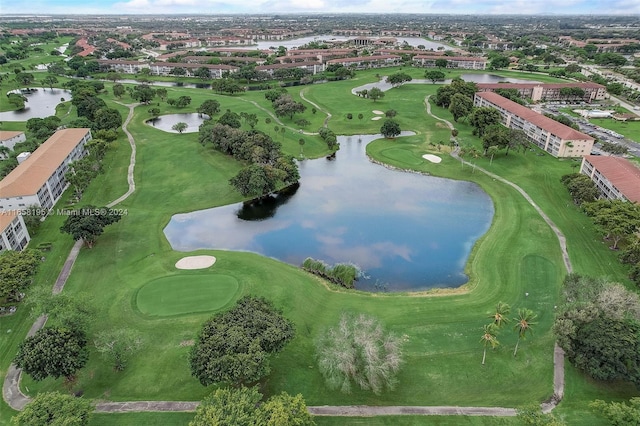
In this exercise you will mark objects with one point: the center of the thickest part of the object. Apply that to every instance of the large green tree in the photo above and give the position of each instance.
(390, 128)
(88, 223)
(483, 117)
(460, 106)
(55, 409)
(434, 75)
(17, 269)
(209, 107)
(53, 352)
(234, 346)
(398, 78)
(375, 94)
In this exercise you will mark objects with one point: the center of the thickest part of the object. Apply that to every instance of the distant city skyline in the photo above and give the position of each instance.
(212, 7)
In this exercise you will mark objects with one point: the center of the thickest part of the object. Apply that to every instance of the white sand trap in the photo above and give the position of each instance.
(376, 118)
(432, 158)
(195, 262)
(375, 111)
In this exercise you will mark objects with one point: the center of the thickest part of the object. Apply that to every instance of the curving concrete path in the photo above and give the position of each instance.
(11, 392)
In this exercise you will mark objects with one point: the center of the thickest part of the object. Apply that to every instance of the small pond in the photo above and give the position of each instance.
(40, 103)
(406, 231)
(166, 122)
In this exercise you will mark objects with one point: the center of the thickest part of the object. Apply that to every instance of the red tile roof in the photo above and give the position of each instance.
(532, 85)
(622, 173)
(545, 123)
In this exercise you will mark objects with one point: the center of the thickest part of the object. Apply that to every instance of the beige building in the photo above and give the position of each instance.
(464, 62)
(554, 137)
(13, 231)
(616, 178)
(549, 91)
(39, 180)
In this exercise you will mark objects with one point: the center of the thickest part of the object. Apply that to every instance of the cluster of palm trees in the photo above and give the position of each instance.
(523, 324)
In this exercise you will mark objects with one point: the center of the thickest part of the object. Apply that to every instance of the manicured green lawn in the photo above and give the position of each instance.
(518, 262)
(186, 294)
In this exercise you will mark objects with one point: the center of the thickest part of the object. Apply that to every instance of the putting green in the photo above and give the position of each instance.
(185, 294)
(402, 155)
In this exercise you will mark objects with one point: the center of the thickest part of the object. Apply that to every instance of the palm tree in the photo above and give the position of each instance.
(489, 338)
(524, 321)
(500, 315)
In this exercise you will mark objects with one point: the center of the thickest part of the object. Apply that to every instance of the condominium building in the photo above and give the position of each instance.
(40, 179)
(550, 91)
(167, 68)
(616, 178)
(364, 62)
(13, 231)
(555, 138)
(8, 139)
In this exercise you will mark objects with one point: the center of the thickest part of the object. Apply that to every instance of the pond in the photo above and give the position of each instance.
(166, 122)
(40, 103)
(406, 231)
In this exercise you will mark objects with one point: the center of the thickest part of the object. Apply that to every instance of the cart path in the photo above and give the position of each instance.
(11, 392)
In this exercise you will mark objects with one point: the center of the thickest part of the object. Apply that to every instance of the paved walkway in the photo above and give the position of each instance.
(11, 392)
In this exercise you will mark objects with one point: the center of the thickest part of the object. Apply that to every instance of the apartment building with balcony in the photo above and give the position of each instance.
(40, 179)
(617, 178)
(555, 138)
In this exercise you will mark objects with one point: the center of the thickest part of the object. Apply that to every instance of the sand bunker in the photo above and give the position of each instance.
(195, 262)
(375, 111)
(432, 158)
(377, 118)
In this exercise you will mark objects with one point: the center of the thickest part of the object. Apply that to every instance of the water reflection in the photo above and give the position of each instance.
(405, 230)
(166, 122)
(266, 207)
(40, 103)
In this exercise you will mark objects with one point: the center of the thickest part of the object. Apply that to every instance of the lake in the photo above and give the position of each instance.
(40, 103)
(406, 231)
(166, 122)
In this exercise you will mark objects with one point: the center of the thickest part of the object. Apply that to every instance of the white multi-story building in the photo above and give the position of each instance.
(364, 62)
(13, 231)
(554, 137)
(616, 178)
(39, 180)
(9, 139)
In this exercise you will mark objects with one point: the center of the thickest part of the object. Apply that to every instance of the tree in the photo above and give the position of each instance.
(499, 61)
(284, 409)
(55, 408)
(495, 135)
(390, 129)
(358, 351)
(209, 107)
(441, 63)
(228, 407)
(581, 188)
(50, 81)
(89, 222)
(24, 79)
(162, 93)
(74, 312)
(500, 315)
(234, 346)
(360, 116)
(242, 407)
(118, 90)
(617, 219)
(489, 338)
(619, 413)
(524, 322)
(398, 78)
(180, 127)
(599, 328)
(301, 142)
(460, 106)
(107, 119)
(16, 100)
(434, 75)
(390, 113)
(17, 269)
(53, 352)
(285, 106)
(143, 93)
(230, 119)
(80, 174)
(117, 344)
(375, 94)
(483, 117)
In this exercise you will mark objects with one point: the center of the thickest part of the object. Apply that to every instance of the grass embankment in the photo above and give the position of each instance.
(519, 255)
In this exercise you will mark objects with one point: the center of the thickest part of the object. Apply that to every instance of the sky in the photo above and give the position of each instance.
(460, 7)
